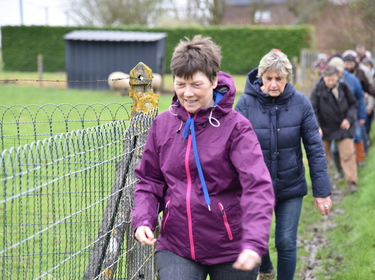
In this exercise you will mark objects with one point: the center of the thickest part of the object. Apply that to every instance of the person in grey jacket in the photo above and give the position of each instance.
(283, 118)
(202, 166)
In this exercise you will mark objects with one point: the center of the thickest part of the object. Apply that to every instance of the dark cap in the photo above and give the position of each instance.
(349, 58)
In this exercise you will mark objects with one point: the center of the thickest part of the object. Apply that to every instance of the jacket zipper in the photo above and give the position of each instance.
(225, 219)
(166, 214)
(188, 197)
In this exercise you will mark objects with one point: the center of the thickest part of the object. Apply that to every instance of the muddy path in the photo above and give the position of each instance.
(319, 240)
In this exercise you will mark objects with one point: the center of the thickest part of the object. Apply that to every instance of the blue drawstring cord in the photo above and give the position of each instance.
(190, 127)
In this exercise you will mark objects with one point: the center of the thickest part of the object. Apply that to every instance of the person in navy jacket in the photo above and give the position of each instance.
(283, 119)
(203, 167)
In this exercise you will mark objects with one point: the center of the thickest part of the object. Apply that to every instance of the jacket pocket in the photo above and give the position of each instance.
(225, 220)
(166, 215)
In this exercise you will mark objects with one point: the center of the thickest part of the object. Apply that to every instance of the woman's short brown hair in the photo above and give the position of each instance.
(200, 54)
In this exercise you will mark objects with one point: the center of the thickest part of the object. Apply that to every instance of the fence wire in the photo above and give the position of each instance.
(66, 199)
(26, 124)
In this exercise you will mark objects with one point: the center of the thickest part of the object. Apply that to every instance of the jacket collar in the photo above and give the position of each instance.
(253, 84)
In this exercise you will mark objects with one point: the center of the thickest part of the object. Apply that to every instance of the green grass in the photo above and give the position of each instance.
(25, 95)
(31, 92)
(351, 252)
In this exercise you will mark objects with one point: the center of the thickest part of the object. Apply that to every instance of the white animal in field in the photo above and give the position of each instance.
(119, 82)
(157, 83)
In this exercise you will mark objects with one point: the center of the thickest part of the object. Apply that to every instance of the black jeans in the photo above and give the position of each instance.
(172, 266)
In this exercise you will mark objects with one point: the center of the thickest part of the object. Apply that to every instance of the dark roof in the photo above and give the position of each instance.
(116, 36)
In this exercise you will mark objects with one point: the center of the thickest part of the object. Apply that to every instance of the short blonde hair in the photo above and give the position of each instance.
(277, 61)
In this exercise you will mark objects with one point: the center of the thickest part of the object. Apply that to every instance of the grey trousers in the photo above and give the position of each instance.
(172, 266)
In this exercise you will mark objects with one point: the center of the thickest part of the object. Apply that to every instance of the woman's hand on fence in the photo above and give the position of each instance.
(145, 236)
(247, 260)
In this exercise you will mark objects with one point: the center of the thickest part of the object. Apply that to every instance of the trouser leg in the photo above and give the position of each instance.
(347, 159)
(287, 215)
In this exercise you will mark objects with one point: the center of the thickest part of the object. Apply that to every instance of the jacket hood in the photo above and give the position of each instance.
(225, 87)
(253, 84)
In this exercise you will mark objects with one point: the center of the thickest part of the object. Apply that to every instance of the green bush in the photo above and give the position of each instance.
(242, 46)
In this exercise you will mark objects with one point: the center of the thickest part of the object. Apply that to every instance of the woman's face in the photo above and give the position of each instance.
(331, 81)
(273, 83)
(195, 93)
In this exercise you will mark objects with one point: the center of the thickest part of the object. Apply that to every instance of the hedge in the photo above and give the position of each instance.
(242, 46)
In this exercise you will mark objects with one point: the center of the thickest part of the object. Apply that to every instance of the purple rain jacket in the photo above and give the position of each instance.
(237, 180)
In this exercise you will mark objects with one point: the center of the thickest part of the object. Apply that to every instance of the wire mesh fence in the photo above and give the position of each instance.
(26, 124)
(67, 186)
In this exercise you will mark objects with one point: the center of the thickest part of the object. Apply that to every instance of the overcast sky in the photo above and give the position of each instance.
(34, 12)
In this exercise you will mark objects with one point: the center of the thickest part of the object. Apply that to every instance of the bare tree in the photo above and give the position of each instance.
(204, 12)
(115, 12)
(366, 11)
(147, 12)
(305, 10)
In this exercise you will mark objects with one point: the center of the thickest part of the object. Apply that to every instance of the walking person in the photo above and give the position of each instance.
(370, 100)
(282, 117)
(359, 143)
(352, 64)
(202, 166)
(336, 109)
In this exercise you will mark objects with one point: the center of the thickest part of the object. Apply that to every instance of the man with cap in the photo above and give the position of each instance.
(353, 66)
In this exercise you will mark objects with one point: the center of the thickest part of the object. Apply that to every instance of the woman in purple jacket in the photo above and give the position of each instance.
(203, 168)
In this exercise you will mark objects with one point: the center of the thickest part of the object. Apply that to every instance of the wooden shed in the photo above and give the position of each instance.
(94, 54)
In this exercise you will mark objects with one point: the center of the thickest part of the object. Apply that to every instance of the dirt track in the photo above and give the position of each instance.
(319, 240)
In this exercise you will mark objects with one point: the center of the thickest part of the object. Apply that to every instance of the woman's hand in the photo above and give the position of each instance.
(345, 124)
(324, 204)
(247, 260)
(145, 236)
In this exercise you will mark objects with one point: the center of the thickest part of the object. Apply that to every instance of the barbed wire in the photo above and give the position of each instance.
(72, 81)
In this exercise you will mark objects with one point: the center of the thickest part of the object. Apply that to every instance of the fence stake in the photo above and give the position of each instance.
(40, 69)
(106, 251)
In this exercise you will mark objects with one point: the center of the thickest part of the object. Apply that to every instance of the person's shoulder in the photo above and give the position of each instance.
(299, 96)
(237, 119)
(244, 102)
(350, 77)
(360, 73)
(164, 117)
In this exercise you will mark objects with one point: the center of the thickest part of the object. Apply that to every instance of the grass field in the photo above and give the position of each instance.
(349, 250)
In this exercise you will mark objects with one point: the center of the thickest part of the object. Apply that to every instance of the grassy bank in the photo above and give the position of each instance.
(350, 253)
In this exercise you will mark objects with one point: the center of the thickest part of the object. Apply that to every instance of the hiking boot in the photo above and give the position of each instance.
(361, 163)
(352, 187)
(266, 276)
